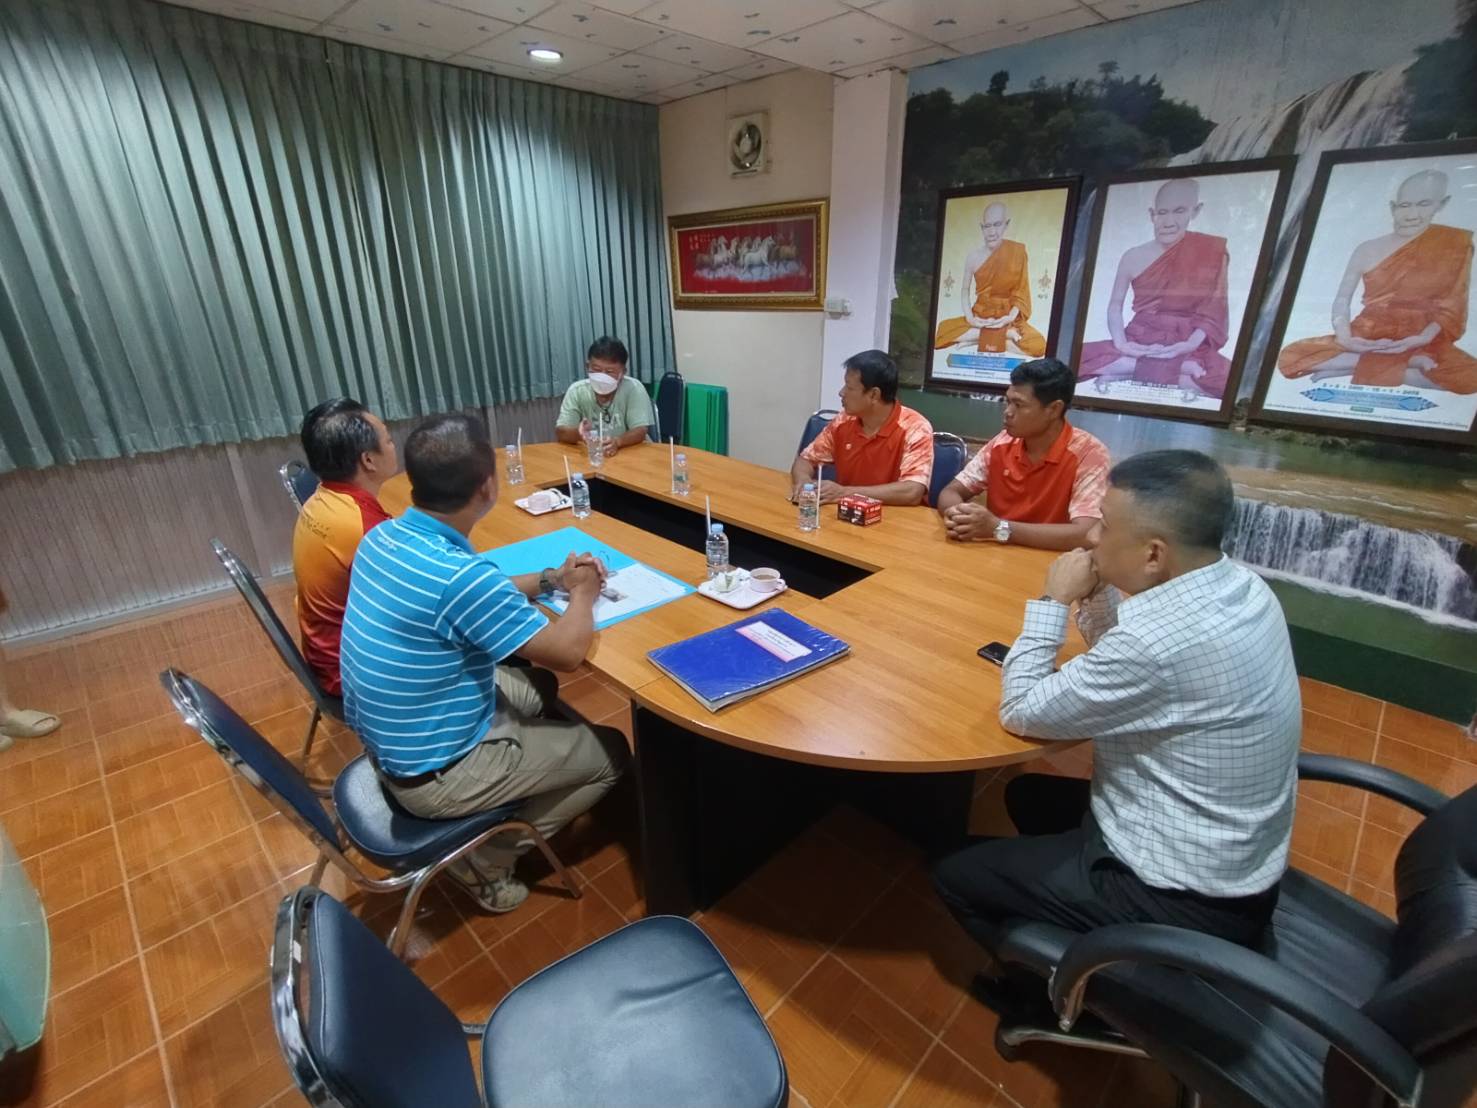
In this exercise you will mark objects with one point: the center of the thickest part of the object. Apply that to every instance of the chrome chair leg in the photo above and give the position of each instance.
(1012, 1035)
(308, 738)
(401, 934)
(565, 877)
(318, 867)
(1187, 1097)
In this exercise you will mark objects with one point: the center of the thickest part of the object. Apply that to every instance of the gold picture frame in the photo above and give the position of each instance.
(767, 257)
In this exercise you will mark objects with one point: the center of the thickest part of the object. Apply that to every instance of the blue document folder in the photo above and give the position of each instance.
(733, 663)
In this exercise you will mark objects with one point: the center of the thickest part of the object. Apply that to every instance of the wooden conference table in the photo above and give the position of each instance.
(898, 726)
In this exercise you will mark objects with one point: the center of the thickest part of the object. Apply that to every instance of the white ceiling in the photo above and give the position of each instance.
(668, 49)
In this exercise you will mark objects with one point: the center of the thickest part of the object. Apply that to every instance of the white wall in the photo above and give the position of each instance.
(866, 173)
(770, 362)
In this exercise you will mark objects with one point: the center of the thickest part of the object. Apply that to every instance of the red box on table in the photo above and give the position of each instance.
(861, 510)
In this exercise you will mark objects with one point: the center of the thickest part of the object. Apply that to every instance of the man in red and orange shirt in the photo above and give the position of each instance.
(1043, 480)
(877, 447)
(350, 450)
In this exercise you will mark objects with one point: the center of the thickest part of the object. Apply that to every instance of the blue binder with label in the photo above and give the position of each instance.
(733, 663)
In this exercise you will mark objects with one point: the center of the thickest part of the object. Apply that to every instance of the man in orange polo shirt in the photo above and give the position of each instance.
(1043, 479)
(877, 447)
(352, 453)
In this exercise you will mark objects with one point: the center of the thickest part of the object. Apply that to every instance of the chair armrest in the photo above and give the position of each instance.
(1368, 1045)
(1371, 778)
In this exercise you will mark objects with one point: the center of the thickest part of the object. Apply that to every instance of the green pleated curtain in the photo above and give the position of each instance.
(208, 226)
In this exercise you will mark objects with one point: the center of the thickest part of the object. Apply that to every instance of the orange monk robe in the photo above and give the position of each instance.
(1002, 282)
(1427, 280)
(1179, 292)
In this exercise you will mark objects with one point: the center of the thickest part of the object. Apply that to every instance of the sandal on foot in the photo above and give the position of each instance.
(29, 724)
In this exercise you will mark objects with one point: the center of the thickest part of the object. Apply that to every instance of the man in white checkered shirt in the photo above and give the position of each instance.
(1188, 689)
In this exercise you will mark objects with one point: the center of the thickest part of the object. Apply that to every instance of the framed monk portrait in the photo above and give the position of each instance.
(1374, 336)
(1175, 269)
(1000, 275)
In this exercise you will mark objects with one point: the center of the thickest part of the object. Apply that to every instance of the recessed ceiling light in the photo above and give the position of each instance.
(544, 54)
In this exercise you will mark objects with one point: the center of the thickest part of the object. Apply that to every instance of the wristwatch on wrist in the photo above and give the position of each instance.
(1002, 531)
(547, 586)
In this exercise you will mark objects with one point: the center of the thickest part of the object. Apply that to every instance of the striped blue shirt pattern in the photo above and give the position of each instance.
(428, 620)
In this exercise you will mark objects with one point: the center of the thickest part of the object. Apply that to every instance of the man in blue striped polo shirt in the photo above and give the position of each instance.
(451, 731)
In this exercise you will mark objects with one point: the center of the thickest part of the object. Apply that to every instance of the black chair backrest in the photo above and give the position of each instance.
(299, 481)
(1429, 1001)
(366, 1031)
(671, 406)
(815, 425)
(243, 746)
(950, 455)
(246, 584)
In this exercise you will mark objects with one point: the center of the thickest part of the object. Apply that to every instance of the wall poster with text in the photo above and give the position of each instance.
(1176, 265)
(1000, 276)
(1373, 335)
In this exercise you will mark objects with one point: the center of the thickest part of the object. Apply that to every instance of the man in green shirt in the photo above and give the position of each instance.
(619, 405)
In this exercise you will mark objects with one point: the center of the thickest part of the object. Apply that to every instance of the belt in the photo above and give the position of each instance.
(415, 780)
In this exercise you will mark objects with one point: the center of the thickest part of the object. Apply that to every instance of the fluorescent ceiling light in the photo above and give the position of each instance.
(544, 54)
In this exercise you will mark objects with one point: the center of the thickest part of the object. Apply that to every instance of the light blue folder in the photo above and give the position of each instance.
(543, 551)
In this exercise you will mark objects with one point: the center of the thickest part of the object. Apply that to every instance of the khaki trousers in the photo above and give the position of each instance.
(558, 767)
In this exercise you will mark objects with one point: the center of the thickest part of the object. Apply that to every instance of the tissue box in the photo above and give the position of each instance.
(861, 510)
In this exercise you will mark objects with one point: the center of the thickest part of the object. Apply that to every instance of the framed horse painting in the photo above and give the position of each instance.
(766, 258)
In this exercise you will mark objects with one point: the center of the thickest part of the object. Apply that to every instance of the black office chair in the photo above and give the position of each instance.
(363, 816)
(815, 425)
(650, 1014)
(1337, 1007)
(299, 481)
(671, 407)
(950, 455)
(324, 703)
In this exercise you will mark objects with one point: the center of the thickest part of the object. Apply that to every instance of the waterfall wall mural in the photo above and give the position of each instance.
(1216, 81)
(1433, 574)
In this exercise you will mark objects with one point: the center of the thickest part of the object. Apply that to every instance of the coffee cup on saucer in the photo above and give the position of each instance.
(766, 580)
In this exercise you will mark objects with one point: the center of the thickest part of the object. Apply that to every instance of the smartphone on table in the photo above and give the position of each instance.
(994, 652)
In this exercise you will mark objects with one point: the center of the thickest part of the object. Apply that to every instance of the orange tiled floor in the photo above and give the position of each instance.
(160, 874)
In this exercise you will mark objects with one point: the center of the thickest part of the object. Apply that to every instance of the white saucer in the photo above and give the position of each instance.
(742, 596)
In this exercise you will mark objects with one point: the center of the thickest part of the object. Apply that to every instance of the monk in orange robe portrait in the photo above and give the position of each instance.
(995, 295)
(1416, 284)
(1181, 318)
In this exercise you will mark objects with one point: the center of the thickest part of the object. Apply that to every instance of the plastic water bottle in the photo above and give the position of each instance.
(579, 494)
(810, 507)
(681, 479)
(717, 551)
(595, 446)
(514, 465)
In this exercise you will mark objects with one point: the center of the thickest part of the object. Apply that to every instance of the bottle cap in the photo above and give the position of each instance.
(681, 457)
(577, 476)
(808, 487)
(716, 529)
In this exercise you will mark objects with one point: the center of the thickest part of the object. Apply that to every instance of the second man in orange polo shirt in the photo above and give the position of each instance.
(875, 446)
(1043, 480)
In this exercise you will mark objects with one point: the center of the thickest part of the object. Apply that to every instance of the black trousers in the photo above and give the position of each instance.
(1059, 871)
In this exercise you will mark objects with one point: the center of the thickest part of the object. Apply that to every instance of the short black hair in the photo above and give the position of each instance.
(1187, 493)
(608, 348)
(1049, 378)
(876, 370)
(448, 458)
(335, 435)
